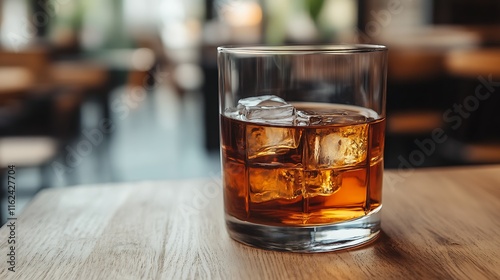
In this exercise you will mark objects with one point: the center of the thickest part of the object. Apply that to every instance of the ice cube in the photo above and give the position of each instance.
(330, 116)
(274, 183)
(232, 113)
(234, 173)
(266, 109)
(264, 140)
(321, 182)
(336, 146)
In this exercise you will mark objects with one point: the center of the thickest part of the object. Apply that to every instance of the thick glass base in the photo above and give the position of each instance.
(310, 239)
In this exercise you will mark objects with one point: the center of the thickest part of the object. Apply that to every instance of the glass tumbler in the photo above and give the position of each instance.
(302, 144)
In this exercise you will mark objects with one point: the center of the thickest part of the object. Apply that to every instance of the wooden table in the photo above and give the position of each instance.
(437, 224)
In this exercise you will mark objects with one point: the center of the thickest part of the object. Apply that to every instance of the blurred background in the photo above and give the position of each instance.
(126, 90)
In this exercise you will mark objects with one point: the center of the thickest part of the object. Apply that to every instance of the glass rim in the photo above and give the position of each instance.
(301, 49)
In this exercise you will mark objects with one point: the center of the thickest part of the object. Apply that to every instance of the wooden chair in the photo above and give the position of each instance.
(417, 57)
(417, 79)
(24, 87)
(478, 138)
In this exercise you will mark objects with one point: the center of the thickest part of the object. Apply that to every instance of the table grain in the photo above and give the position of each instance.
(440, 223)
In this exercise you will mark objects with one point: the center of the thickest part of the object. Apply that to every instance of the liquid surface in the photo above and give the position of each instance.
(324, 167)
